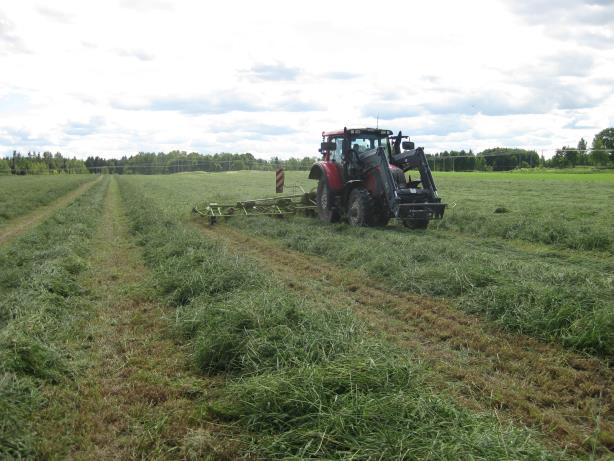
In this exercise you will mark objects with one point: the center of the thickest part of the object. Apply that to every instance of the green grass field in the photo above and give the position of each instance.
(19, 195)
(544, 268)
(487, 336)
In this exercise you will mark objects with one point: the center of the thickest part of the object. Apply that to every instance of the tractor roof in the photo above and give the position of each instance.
(359, 131)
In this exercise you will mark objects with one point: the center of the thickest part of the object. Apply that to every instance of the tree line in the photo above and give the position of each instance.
(600, 154)
(37, 163)
(496, 159)
(181, 161)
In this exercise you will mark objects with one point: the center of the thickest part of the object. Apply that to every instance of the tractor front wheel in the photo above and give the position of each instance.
(360, 208)
(325, 202)
(381, 215)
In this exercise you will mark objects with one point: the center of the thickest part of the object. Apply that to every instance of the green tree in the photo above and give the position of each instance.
(582, 152)
(5, 167)
(605, 139)
(599, 155)
(571, 156)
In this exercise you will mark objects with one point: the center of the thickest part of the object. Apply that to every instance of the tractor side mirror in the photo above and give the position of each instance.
(328, 146)
(408, 145)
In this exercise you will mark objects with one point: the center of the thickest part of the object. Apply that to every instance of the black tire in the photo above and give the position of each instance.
(382, 218)
(325, 202)
(381, 213)
(416, 223)
(360, 208)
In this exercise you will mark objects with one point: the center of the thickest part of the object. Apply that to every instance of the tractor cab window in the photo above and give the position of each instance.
(337, 154)
(364, 142)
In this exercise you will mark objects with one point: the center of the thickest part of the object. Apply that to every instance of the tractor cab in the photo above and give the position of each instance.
(361, 178)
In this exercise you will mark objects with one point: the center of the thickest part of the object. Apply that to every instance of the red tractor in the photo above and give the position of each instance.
(361, 178)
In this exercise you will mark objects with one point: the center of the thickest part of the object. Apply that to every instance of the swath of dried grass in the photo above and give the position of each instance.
(137, 398)
(21, 224)
(565, 394)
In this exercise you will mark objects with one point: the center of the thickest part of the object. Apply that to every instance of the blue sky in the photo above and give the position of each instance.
(118, 77)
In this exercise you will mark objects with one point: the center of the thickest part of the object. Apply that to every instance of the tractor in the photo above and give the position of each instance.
(361, 179)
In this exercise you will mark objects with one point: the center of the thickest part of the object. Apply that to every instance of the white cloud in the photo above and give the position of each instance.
(274, 72)
(10, 42)
(140, 54)
(115, 78)
(55, 15)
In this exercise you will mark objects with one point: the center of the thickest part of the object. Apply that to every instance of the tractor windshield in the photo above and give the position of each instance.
(367, 141)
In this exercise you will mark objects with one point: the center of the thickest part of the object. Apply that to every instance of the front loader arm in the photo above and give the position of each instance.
(375, 162)
(416, 158)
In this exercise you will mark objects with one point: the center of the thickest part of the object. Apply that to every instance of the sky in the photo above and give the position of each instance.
(118, 77)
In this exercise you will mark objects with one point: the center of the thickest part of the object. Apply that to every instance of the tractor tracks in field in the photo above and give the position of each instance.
(566, 395)
(136, 397)
(21, 224)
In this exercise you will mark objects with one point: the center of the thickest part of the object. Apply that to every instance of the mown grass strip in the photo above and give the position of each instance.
(543, 290)
(303, 382)
(537, 296)
(536, 383)
(20, 195)
(133, 397)
(40, 301)
(22, 223)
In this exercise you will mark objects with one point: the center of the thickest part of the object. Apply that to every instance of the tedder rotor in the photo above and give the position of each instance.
(361, 179)
(303, 203)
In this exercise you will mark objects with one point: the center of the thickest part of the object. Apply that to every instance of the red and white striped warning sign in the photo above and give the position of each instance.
(279, 180)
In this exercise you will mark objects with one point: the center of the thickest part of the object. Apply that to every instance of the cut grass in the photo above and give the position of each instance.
(373, 406)
(263, 332)
(133, 397)
(39, 303)
(529, 270)
(558, 210)
(518, 290)
(302, 382)
(557, 287)
(21, 194)
(564, 393)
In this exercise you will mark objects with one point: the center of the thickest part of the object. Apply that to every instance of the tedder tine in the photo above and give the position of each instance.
(274, 206)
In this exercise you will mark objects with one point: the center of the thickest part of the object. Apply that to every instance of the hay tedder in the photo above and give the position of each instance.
(361, 179)
(303, 203)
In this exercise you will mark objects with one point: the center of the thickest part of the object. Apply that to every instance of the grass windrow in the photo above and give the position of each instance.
(19, 195)
(40, 302)
(300, 381)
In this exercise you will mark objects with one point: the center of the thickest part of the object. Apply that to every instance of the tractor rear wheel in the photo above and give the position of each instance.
(325, 202)
(416, 223)
(360, 208)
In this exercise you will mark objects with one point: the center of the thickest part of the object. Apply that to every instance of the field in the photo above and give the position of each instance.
(22, 194)
(130, 329)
